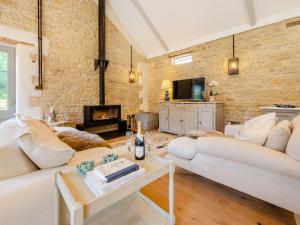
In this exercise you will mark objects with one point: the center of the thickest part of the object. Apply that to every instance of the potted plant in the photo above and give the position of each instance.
(212, 94)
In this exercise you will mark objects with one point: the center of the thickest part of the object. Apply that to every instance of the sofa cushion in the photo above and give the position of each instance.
(279, 136)
(257, 129)
(249, 154)
(43, 147)
(183, 147)
(13, 161)
(293, 146)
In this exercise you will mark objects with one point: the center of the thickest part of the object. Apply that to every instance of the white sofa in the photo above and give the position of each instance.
(26, 192)
(270, 175)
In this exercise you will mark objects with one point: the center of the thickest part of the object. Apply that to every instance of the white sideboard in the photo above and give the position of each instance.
(181, 117)
(282, 113)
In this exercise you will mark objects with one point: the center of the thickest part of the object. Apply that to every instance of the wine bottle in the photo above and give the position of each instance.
(139, 143)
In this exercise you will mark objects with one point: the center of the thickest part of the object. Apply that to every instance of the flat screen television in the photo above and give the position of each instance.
(189, 89)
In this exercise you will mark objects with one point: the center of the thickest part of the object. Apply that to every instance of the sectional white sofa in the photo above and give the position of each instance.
(259, 171)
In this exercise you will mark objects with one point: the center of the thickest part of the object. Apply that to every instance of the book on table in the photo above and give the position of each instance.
(106, 177)
(99, 187)
(116, 169)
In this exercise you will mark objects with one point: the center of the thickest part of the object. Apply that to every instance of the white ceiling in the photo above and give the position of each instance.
(157, 27)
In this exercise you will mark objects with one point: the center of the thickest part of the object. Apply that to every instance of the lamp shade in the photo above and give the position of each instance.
(166, 84)
(131, 77)
(233, 66)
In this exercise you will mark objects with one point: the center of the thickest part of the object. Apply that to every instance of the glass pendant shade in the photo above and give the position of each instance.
(131, 72)
(131, 77)
(233, 66)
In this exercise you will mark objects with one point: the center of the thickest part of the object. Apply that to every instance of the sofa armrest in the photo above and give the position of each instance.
(249, 154)
(28, 199)
(233, 130)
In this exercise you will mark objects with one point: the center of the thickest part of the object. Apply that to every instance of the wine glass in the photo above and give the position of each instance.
(129, 141)
(148, 140)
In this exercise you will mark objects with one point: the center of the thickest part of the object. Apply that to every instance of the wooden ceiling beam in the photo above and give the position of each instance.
(150, 24)
(250, 11)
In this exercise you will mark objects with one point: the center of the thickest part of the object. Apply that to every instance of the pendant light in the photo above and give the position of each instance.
(131, 72)
(233, 63)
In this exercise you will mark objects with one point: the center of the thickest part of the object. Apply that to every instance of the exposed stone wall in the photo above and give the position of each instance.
(269, 70)
(69, 77)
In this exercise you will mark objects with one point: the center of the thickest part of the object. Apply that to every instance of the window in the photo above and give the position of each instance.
(7, 82)
(182, 59)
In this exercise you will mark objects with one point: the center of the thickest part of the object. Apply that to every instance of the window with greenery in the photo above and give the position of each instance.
(3, 80)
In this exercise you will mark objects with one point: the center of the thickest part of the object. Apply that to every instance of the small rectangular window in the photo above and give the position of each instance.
(182, 59)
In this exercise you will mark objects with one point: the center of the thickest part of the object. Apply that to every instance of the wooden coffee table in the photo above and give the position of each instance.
(122, 206)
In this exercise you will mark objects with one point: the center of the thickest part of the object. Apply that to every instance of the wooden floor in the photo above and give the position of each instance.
(201, 201)
(204, 202)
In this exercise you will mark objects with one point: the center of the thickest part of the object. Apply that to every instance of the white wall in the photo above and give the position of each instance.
(26, 74)
(26, 70)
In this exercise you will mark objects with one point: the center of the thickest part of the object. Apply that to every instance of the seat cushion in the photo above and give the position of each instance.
(257, 129)
(183, 147)
(13, 161)
(293, 146)
(279, 136)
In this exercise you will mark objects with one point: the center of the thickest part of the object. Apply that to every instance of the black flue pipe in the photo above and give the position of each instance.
(40, 44)
(102, 62)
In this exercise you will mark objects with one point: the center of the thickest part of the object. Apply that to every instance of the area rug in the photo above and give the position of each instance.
(159, 145)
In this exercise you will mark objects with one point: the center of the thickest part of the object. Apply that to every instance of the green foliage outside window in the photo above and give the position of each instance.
(3, 76)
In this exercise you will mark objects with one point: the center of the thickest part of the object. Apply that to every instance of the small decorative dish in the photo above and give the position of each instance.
(85, 166)
(109, 158)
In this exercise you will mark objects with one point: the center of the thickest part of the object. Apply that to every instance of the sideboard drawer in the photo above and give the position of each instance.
(205, 106)
(186, 106)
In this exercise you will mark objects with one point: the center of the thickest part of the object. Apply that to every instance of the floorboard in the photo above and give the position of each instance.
(201, 201)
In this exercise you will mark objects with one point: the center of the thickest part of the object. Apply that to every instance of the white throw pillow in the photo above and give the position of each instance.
(13, 161)
(293, 146)
(43, 147)
(279, 136)
(257, 129)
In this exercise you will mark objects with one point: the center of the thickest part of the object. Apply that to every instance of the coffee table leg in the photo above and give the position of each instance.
(77, 215)
(56, 202)
(75, 208)
(171, 193)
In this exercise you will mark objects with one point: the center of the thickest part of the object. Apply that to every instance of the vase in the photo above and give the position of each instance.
(212, 98)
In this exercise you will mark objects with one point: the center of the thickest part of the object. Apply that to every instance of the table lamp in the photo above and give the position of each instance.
(166, 85)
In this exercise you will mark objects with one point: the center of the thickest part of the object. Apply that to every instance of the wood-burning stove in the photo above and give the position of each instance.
(101, 115)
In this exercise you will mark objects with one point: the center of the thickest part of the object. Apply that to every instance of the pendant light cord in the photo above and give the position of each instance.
(233, 46)
(130, 58)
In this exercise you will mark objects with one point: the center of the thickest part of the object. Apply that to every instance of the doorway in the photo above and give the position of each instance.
(7, 82)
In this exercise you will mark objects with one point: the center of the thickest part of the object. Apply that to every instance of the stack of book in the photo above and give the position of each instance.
(107, 177)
